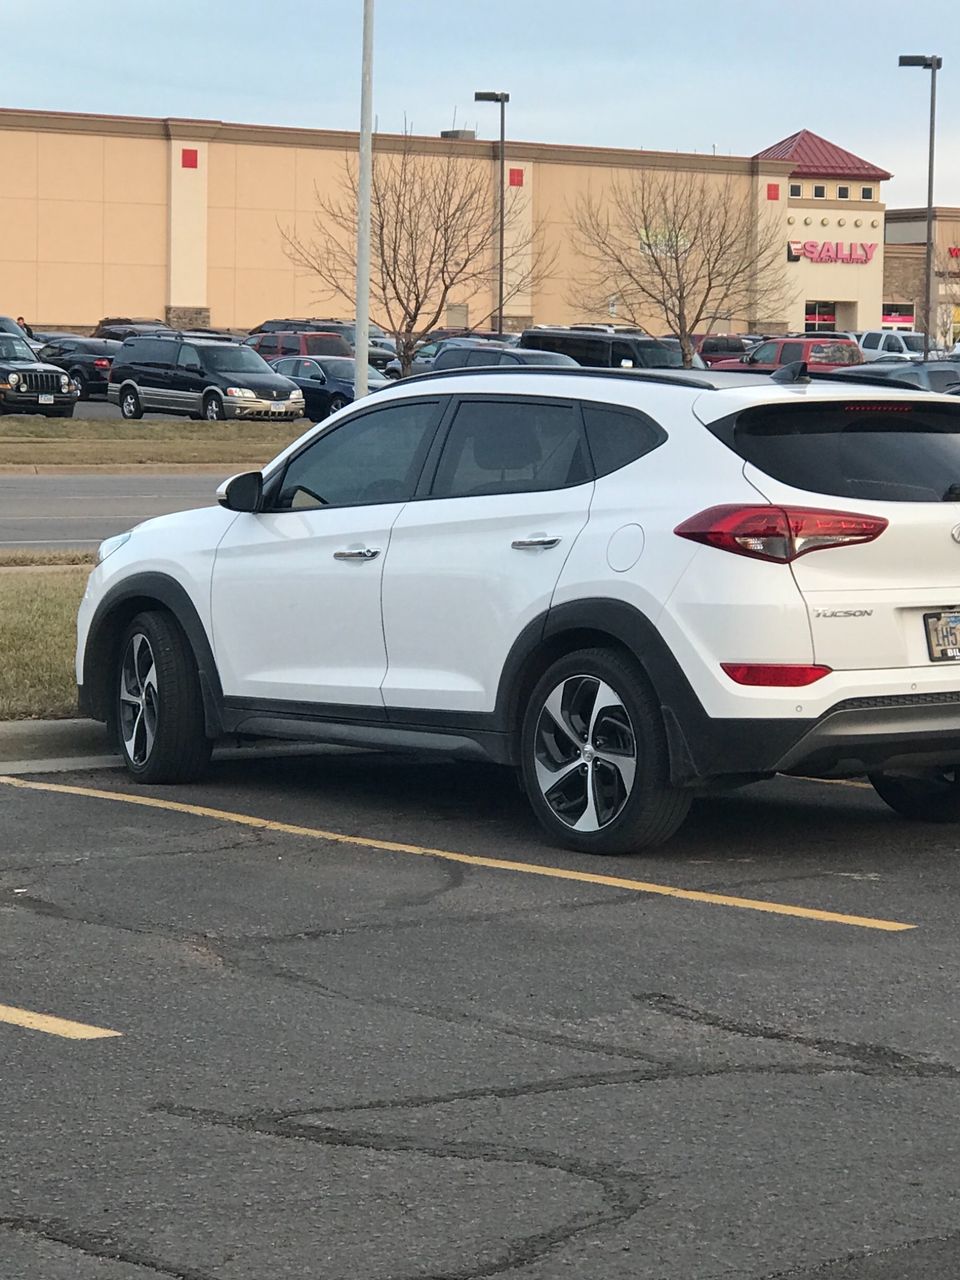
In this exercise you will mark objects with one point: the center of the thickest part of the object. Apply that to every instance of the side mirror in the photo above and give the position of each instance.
(194, 368)
(319, 376)
(242, 493)
(747, 359)
(626, 364)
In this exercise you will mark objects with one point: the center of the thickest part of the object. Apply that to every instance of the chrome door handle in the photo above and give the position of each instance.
(357, 553)
(539, 541)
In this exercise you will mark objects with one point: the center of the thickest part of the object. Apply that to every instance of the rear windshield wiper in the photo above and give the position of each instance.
(952, 494)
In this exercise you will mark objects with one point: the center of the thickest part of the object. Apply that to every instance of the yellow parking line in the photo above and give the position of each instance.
(473, 860)
(53, 1026)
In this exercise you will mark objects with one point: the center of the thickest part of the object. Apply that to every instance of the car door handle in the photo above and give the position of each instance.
(357, 553)
(539, 541)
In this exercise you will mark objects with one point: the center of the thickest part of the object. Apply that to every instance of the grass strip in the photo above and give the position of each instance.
(38, 614)
(22, 559)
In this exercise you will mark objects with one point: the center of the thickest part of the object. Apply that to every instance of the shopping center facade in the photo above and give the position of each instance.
(185, 220)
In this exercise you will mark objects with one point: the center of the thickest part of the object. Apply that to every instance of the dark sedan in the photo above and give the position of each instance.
(87, 360)
(327, 383)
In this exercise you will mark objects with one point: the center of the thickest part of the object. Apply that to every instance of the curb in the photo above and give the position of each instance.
(25, 740)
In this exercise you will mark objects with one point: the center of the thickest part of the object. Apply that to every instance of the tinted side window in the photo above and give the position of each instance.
(481, 357)
(375, 457)
(618, 436)
(871, 341)
(593, 353)
(268, 346)
(791, 351)
(152, 351)
(765, 354)
(892, 343)
(289, 344)
(623, 351)
(511, 446)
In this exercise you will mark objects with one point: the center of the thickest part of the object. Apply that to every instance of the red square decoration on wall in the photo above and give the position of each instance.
(773, 190)
(516, 177)
(188, 158)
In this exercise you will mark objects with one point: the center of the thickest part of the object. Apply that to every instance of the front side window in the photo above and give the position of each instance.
(618, 436)
(307, 369)
(766, 353)
(374, 457)
(511, 446)
(188, 358)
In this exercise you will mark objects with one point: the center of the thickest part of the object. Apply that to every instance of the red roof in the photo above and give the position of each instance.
(815, 157)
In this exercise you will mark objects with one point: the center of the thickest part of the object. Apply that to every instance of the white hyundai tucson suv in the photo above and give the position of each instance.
(629, 587)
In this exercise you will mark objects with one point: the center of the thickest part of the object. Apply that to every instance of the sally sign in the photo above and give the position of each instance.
(830, 251)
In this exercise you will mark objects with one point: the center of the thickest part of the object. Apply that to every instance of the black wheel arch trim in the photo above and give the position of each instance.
(107, 626)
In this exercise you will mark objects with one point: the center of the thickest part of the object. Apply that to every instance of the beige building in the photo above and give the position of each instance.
(183, 220)
(905, 271)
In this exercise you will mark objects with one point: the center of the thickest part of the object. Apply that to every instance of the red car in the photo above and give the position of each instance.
(822, 351)
(273, 345)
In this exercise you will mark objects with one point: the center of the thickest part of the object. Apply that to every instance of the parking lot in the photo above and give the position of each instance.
(346, 1014)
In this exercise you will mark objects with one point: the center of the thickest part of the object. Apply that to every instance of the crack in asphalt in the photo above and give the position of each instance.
(823, 1269)
(623, 1191)
(873, 1058)
(97, 1245)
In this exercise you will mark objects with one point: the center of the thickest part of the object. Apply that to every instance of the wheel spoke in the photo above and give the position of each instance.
(554, 708)
(589, 820)
(130, 739)
(604, 699)
(625, 765)
(550, 778)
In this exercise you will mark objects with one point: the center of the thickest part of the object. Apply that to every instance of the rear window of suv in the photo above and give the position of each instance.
(890, 452)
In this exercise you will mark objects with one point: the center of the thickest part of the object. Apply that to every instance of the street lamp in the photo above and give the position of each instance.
(503, 99)
(931, 63)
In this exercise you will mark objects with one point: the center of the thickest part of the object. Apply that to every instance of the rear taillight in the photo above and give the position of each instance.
(780, 675)
(101, 364)
(780, 534)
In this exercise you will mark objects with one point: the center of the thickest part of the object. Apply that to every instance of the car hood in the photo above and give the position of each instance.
(29, 366)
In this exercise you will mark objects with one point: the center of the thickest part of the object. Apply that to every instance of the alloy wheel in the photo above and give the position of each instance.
(129, 405)
(139, 700)
(213, 411)
(585, 753)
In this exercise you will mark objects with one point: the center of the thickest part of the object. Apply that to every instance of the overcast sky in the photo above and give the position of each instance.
(686, 76)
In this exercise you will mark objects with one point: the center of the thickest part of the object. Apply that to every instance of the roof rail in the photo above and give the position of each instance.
(668, 377)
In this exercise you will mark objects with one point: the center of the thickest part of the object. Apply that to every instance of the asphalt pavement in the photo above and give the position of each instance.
(348, 1015)
(42, 511)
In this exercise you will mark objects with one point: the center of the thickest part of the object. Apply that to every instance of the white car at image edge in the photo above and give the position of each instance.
(629, 587)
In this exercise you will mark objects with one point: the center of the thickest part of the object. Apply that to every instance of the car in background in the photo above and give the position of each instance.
(929, 375)
(119, 332)
(423, 359)
(877, 344)
(87, 360)
(472, 353)
(712, 347)
(29, 385)
(271, 346)
(820, 351)
(377, 355)
(604, 347)
(201, 379)
(9, 325)
(327, 383)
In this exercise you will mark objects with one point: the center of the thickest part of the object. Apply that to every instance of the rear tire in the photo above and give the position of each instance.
(158, 709)
(78, 376)
(934, 798)
(593, 756)
(130, 406)
(336, 404)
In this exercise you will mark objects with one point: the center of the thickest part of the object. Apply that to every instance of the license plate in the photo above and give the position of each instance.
(278, 407)
(46, 400)
(943, 635)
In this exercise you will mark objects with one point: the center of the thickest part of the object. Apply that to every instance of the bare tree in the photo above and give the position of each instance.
(434, 240)
(947, 298)
(687, 245)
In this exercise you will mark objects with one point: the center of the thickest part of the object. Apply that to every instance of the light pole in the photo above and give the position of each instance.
(931, 63)
(365, 180)
(503, 99)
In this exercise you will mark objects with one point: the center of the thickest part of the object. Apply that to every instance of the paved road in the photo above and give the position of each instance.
(82, 510)
(341, 1060)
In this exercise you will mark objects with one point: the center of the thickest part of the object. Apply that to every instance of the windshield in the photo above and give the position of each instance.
(14, 349)
(912, 341)
(233, 359)
(344, 370)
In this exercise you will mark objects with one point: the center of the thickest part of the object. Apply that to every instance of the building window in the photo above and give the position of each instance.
(897, 315)
(820, 317)
(866, 193)
(843, 193)
(819, 191)
(796, 190)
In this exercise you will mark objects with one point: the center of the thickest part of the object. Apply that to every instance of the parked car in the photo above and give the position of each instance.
(604, 347)
(471, 353)
(114, 322)
(875, 343)
(273, 345)
(928, 375)
(423, 359)
(627, 589)
(118, 332)
(10, 326)
(377, 355)
(712, 347)
(29, 385)
(327, 383)
(202, 378)
(86, 360)
(820, 351)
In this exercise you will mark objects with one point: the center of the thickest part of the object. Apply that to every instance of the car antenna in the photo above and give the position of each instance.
(795, 371)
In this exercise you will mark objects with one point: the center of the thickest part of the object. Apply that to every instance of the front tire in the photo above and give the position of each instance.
(159, 709)
(78, 377)
(593, 756)
(213, 410)
(933, 797)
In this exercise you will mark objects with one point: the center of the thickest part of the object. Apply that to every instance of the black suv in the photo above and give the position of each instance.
(606, 348)
(86, 360)
(29, 385)
(202, 379)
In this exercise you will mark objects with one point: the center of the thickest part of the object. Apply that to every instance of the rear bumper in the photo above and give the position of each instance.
(861, 735)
